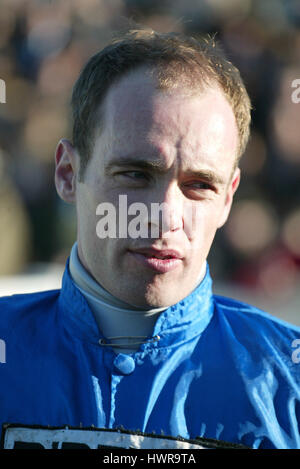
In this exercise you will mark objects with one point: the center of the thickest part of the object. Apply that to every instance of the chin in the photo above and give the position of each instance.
(161, 298)
(149, 299)
(151, 293)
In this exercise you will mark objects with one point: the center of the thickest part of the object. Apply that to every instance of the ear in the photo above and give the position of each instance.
(232, 187)
(65, 171)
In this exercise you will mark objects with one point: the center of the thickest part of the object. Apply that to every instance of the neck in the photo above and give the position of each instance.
(114, 317)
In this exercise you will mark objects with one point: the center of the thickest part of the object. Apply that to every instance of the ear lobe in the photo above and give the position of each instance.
(234, 184)
(65, 171)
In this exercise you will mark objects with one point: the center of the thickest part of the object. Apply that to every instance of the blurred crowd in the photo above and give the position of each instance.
(43, 46)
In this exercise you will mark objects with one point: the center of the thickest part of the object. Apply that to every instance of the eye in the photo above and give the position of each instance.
(134, 174)
(199, 185)
(134, 177)
(199, 190)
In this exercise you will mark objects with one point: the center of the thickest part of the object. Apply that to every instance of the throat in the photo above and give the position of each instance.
(114, 317)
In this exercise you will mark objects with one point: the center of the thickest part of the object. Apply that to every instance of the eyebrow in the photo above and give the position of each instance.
(158, 167)
(207, 175)
(154, 165)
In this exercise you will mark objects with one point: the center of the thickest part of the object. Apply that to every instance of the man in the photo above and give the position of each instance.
(135, 337)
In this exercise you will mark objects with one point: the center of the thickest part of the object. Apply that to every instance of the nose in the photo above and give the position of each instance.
(166, 213)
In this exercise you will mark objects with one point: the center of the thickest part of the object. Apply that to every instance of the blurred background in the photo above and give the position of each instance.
(43, 46)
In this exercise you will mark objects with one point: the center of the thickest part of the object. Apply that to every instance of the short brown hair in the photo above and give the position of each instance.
(175, 58)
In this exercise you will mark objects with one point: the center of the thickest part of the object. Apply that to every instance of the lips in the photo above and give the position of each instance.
(159, 260)
(160, 253)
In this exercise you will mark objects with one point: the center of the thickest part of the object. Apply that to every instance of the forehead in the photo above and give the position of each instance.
(144, 119)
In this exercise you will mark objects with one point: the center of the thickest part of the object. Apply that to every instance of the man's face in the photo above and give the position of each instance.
(158, 147)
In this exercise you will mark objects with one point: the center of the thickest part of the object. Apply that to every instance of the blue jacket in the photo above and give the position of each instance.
(220, 369)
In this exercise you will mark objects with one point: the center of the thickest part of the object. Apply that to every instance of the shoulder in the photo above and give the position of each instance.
(257, 340)
(27, 299)
(21, 306)
(248, 319)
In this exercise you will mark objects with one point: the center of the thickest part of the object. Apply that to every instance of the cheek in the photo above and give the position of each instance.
(89, 196)
(201, 223)
(86, 216)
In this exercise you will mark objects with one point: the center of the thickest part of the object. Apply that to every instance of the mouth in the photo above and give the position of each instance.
(157, 260)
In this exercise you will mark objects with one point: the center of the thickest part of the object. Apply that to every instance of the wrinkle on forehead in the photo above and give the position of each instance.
(137, 114)
(205, 126)
(139, 90)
